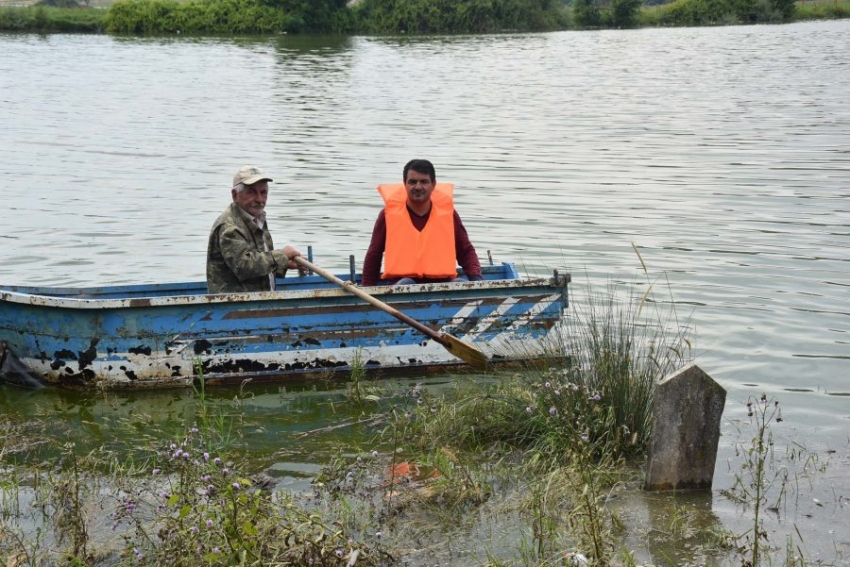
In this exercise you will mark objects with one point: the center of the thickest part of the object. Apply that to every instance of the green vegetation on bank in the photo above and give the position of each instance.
(257, 17)
(459, 16)
(49, 19)
(718, 12)
(227, 17)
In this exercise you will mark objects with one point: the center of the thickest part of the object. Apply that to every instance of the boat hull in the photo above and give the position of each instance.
(171, 335)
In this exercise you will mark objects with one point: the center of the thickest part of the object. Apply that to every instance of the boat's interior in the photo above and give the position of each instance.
(503, 271)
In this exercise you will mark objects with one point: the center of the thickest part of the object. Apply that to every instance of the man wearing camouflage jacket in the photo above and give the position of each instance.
(240, 253)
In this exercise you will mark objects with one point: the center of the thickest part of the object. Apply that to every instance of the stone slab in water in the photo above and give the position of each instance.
(686, 412)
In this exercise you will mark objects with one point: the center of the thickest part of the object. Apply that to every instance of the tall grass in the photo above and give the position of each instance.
(570, 427)
(617, 346)
(822, 10)
(44, 19)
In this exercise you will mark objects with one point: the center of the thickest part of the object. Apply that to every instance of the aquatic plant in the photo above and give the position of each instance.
(753, 485)
(358, 389)
(765, 479)
(197, 507)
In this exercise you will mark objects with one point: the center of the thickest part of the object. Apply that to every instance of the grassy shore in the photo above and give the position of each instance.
(822, 10)
(168, 17)
(688, 13)
(47, 19)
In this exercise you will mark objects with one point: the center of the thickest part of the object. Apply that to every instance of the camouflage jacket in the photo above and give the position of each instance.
(236, 260)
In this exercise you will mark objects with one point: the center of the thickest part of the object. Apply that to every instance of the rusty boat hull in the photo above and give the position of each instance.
(172, 335)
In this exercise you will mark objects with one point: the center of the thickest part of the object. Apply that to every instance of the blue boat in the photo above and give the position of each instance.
(171, 335)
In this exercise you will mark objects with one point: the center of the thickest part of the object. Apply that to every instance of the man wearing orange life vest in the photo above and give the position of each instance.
(418, 234)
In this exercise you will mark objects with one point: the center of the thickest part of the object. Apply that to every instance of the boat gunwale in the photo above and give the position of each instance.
(45, 299)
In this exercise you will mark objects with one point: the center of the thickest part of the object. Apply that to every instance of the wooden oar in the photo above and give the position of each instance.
(454, 345)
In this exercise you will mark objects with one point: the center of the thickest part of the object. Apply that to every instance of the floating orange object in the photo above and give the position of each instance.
(405, 472)
(402, 471)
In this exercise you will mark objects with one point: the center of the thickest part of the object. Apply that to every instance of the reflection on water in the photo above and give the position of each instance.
(721, 153)
(279, 423)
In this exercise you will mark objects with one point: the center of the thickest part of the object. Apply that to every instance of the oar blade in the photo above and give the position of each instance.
(465, 351)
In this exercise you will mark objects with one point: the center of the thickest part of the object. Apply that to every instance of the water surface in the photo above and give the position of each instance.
(722, 154)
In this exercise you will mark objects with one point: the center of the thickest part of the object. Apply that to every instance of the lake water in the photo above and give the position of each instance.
(722, 154)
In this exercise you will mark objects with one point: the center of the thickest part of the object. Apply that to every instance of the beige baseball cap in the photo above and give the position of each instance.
(248, 175)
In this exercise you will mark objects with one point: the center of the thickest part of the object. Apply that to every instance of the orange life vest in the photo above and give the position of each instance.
(410, 253)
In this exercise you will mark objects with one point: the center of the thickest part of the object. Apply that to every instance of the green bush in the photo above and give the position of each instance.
(315, 16)
(746, 11)
(458, 16)
(714, 12)
(196, 16)
(784, 9)
(625, 12)
(824, 10)
(15, 19)
(586, 13)
(47, 19)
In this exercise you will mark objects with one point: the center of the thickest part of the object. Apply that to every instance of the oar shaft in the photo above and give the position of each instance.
(354, 290)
